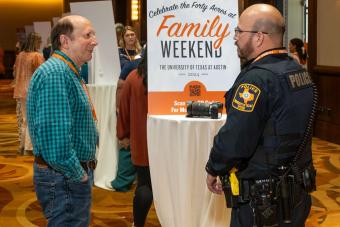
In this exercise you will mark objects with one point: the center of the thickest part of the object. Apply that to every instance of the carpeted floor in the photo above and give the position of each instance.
(18, 205)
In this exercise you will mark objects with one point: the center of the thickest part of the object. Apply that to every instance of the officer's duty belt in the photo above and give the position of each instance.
(247, 188)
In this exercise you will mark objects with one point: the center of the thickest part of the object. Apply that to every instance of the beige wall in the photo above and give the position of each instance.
(328, 32)
(18, 13)
(295, 19)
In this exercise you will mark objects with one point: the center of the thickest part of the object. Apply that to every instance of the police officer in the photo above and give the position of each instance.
(268, 109)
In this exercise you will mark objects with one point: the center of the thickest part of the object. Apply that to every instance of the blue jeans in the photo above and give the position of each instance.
(64, 203)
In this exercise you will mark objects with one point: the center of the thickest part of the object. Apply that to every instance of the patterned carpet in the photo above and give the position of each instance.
(326, 200)
(18, 205)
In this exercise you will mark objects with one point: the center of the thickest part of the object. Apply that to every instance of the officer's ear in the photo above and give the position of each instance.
(259, 36)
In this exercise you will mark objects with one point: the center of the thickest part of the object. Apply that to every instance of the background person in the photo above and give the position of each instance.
(130, 47)
(131, 127)
(61, 121)
(268, 113)
(27, 61)
(47, 50)
(19, 45)
(296, 48)
(129, 56)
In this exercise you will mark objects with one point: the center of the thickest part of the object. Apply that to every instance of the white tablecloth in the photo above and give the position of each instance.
(178, 149)
(104, 101)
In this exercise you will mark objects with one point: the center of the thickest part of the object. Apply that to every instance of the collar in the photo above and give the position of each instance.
(67, 58)
(273, 51)
(63, 57)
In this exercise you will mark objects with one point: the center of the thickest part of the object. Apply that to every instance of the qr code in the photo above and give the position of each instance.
(195, 90)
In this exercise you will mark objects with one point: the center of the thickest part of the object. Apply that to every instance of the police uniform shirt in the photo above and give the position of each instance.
(256, 95)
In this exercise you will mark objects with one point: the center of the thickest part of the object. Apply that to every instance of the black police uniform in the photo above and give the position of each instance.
(268, 110)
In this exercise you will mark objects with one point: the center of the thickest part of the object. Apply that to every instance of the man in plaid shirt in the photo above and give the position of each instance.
(61, 121)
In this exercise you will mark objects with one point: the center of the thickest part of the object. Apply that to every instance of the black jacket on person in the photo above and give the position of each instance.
(268, 110)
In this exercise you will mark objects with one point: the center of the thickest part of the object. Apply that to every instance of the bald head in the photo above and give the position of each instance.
(265, 18)
(74, 19)
(259, 29)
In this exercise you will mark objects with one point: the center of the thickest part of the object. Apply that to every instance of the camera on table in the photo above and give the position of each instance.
(201, 109)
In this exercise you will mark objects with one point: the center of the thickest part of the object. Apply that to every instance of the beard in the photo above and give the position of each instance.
(245, 51)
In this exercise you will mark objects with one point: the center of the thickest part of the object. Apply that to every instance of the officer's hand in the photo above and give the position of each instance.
(214, 185)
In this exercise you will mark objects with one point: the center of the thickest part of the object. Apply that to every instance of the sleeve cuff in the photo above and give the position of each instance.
(210, 171)
(76, 173)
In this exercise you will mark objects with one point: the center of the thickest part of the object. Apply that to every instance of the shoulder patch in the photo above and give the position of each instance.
(246, 97)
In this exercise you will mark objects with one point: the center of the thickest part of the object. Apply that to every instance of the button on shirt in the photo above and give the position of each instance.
(60, 120)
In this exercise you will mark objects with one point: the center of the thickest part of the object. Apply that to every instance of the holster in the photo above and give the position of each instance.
(231, 200)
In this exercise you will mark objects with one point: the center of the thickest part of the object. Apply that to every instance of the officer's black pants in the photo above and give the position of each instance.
(243, 216)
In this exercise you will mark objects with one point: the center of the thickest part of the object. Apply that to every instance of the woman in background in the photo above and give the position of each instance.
(129, 56)
(296, 48)
(131, 129)
(27, 61)
(130, 47)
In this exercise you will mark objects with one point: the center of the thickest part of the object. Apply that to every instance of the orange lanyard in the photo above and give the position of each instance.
(56, 55)
(269, 53)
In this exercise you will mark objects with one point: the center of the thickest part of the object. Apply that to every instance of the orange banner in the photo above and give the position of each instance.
(174, 103)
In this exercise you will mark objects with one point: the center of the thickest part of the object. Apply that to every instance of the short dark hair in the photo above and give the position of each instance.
(63, 27)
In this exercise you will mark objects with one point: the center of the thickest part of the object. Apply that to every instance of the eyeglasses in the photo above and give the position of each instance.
(239, 31)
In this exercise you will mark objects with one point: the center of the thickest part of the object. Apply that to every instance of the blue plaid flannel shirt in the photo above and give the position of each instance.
(60, 120)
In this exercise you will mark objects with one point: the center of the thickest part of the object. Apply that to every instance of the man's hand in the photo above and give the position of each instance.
(214, 184)
(85, 178)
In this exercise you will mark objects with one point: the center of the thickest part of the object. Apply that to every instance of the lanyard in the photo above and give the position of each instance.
(269, 53)
(131, 58)
(56, 55)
